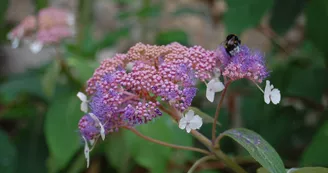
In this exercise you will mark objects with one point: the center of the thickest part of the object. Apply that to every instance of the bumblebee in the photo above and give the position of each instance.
(232, 44)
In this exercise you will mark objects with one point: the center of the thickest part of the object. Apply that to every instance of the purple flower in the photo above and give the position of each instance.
(244, 64)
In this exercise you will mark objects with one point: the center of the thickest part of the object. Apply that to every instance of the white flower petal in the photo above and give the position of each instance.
(211, 83)
(188, 129)
(275, 96)
(36, 47)
(189, 115)
(267, 92)
(210, 95)
(182, 123)
(15, 43)
(86, 151)
(218, 86)
(102, 129)
(84, 107)
(82, 96)
(196, 122)
(70, 20)
(102, 132)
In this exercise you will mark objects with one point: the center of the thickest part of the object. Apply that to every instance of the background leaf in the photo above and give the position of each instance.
(288, 10)
(61, 127)
(8, 154)
(316, 154)
(241, 16)
(258, 148)
(316, 27)
(49, 79)
(167, 37)
(19, 84)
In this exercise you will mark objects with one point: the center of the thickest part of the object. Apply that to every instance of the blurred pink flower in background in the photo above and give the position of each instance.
(51, 26)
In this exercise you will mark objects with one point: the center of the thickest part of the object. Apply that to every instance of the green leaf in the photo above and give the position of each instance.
(299, 170)
(61, 127)
(150, 11)
(8, 154)
(189, 10)
(111, 38)
(31, 146)
(49, 79)
(316, 27)
(3, 10)
(18, 84)
(206, 118)
(117, 153)
(246, 14)
(78, 165)
(287, 10)
(258, 148)
(314, 86)
(167, 37)
(19, 111)
(39, 4)
(309, 170)
(143, 151)
(83, 69)
(316, 153)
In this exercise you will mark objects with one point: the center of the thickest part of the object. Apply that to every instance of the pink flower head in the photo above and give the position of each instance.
(27, 26)
(244, 64)
(127, 97)
(49, 27)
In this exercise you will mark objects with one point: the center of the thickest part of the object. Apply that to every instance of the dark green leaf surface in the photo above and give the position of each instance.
(61, 127)
(167, 37)
(317, 26)
(8, 154)
(284, 14)
(83, 69)
(49, 79)
(18, 84)
(299, 170)
(258, 148)
(245, 14)
(316, 153)
(117, 153)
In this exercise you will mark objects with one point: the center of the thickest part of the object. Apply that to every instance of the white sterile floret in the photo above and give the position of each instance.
(84, 104)
(215, 85)
(36, 47)
(190, 121)
(102, 129)
(271, 94)
(86, 151)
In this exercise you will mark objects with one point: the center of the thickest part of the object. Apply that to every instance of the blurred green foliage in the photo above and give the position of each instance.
(39, 110)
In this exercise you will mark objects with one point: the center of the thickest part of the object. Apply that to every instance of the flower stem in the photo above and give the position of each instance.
(201, 138)
(167, 144)
(199, 161)
(217, 112)
(230, 163)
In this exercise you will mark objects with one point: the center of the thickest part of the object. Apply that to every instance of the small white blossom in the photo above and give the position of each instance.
(36, 47)
(215, 85)
(86, 151)
(102, 129)
(84, 104)
(271, 94)
(190, 121)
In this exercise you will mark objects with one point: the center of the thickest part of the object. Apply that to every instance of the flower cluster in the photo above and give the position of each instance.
(244, 64)
(50, 26)
(129, 89)
(120, 97)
